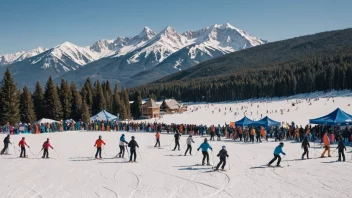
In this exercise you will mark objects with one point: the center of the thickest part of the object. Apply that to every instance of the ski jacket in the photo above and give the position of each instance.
(205, 146)
(189, 140)
(252, 131)
(223, 153)
(99, 143)
(122, 140)
(133, 144)
(46, 145)
(7, 140)
(326, 140)
(22, 143)
(157, 135)
(305, 143)
(341, 146)
(278, 150)
(177, 136)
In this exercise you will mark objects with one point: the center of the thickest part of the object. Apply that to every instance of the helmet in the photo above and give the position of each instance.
(205, 139)
(281, 143)
(99, 136)
(223, 147)
(123, 134)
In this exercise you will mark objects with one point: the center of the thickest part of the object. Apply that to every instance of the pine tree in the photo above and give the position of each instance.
(85, 113)
(126, 103)
(76, 106)
(9, 96)
(88, 94)
(137, 104)
(65, 99)
(52, 105)
(123, 112)
(108, 96)
(38, 100)
(26, 107)
(99, 103)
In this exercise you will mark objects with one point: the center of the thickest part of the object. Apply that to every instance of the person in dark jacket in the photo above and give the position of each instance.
(305, 145)
(177, 140)
(6, 144)
(341, 148)
(222, 154)
(133, 144)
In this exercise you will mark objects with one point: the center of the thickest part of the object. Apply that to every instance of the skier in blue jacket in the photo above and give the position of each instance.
(277, 152)
(205, 146)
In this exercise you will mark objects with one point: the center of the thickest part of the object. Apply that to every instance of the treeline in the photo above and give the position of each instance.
(322, 73)
(64, 101)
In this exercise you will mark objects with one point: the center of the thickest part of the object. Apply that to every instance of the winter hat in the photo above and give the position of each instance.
(223, 147)
(281, 143)
(205, 139)
(190, 135)
(99, 136)
(23, 138)
(132, 137)
(123, 135)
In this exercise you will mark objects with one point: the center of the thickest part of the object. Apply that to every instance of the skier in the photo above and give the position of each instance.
(133, 144)
(251, 135)
(277, 152)
(189, 145)
(22, 144)
(222, 154)
(177, 140)
(99, 143)
(157, 136)
(305, 145)
(341, 147)
(326, 145)
(122, 146)
(205, 146)
(6, 144)
(46, 146)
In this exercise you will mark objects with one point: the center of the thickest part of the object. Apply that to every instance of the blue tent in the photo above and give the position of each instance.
(335, 118)
(103, 116)
(266, 122)
(244, 122)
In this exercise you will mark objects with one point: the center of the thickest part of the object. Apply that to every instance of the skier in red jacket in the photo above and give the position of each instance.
(22, 144)
(46, 146)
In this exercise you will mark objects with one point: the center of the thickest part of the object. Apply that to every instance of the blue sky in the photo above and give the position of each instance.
(26, 24)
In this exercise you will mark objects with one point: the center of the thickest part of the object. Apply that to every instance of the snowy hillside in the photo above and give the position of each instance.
(19, 56)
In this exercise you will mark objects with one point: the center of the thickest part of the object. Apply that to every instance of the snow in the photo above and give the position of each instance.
(162, 173)
(300, 113)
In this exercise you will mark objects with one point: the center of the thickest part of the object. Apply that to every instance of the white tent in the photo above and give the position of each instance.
(103, 115)
(45, 120)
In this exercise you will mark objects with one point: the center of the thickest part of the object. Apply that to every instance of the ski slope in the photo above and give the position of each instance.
(162, 173)
(254, 109)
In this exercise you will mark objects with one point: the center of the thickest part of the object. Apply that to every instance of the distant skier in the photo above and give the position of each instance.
(22, 144)
(222, 154)
(177, 140)
(305, 146)
(157, 136)
(277, 152)
(326, 141)
(189, 145)
(122, 146)
(133, 144)
(6, 144)
(341, 147)
(205, 146)
(99, 143)
(251, 135)
(46, 146)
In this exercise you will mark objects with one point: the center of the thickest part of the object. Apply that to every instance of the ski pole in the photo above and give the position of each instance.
(56, 153)
(39, 153)
(287, 161)
(127, 150)
(140, 155)
(104, 151)
(14, 148)
(171, 143)
(213, 157)
(30, 151)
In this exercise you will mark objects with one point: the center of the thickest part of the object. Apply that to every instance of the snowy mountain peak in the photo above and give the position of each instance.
(19, 56)
(145, 35)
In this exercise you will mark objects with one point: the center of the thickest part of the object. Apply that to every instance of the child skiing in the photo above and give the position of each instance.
(205, 146)
(326, 145)
(177, 141)
(6, 144)
(133, 144)
(22, 144)
(122, 146)
(305, 146)
(98, 143)
(341, 147)
(189, 145)
(46, 146)
(277, 152)
(157, 136)
(222, 154)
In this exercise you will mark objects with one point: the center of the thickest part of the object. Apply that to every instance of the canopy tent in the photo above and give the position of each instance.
(45, 120)
(266, 122)
(244, 122)
(70, 120)
(335, 118)
(103, 115)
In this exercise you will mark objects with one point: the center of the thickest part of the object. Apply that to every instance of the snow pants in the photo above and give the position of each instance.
(122, 151)
(251, 138)
(98, 152)
(157, 142)
(341, 152)
(45, 153)
(133, 153)
(205, 155)
(305, 152)
(274, 159)
(6, 146)
(189, 147)
(212, 134)
(23, 151)
(258, 138)
(223, 162)
(177, 144)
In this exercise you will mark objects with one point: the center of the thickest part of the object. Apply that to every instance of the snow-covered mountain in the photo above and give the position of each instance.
(132, 60)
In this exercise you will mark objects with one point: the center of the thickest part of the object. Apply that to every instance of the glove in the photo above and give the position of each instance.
(197, 149)
(218, 155)
(29, 147)
(284, 153)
